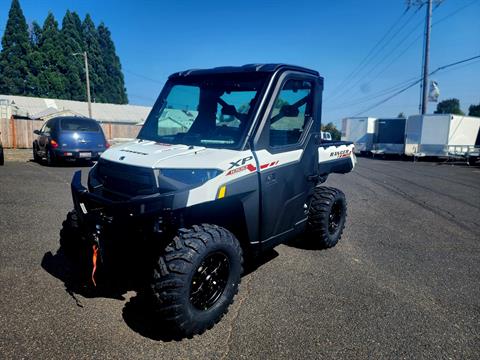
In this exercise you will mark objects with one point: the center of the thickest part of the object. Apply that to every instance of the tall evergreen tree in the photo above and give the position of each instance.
(35, 60)
(40, 61)
(72, 67)
(51, 81)
(97, 70)
(35, 34)
(114, 84)
(14, 61)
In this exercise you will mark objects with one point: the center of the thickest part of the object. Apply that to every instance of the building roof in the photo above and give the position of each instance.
(40, 108)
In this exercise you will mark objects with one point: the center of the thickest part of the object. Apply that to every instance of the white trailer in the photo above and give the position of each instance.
(360, 131)
(441, 135)
(389, 136)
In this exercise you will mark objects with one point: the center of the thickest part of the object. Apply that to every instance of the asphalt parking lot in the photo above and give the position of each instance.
(402, 283)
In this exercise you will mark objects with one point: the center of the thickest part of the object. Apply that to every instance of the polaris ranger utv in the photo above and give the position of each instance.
(228, 164)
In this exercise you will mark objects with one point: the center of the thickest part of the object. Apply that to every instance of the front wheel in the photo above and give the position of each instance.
(196, 279)
(326, 217)
(36, 157)
(77, 247)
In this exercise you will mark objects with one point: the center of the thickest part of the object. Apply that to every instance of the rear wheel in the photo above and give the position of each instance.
(196, 278)
(50, 158)
(326, 217)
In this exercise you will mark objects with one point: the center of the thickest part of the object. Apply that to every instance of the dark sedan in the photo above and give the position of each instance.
(69, 138)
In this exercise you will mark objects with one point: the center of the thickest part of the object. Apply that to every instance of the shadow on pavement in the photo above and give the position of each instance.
(74, 278)
(139, 311)
(65, 164)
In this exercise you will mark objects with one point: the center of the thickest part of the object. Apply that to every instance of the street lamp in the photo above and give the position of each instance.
(85, 57)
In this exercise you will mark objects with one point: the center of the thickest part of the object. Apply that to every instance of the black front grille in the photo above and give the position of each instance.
(126, 179)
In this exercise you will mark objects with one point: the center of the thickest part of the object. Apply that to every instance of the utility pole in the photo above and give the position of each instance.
(426, 57)
(87, 77)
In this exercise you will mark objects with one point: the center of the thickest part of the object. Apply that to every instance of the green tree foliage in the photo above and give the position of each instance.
(14, 58)
(39, 61)
(474, 110)
(332, 129)
(51, 81)
(114, 86)
(71, 41)
(449, 106)
(98, 74)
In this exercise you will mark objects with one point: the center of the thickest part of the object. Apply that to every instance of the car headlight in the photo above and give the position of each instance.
(176, 179)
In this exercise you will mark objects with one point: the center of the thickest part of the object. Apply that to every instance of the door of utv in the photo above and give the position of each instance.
(286, 150)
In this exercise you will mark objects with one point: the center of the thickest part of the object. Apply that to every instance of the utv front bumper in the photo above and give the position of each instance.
(100, 208)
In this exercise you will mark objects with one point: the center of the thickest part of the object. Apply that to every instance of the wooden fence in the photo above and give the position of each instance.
(18, 133)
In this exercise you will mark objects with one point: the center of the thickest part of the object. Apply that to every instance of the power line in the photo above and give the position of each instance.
(143, 77)
(368, 98)
(415, 83)
(377, 53)
(454, 12)
(407, 48)
(355, 70)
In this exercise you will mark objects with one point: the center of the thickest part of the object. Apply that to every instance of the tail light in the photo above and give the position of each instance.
(53, 144)
(107, 145)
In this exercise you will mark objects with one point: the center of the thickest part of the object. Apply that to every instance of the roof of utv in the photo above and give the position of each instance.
(249, 68)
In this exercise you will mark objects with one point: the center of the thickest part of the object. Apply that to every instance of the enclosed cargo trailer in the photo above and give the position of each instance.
(389, 136)
(440, 134)
(360, 131)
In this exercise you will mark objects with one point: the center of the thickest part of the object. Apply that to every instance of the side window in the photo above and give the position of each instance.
(291, 112)
(48, 127)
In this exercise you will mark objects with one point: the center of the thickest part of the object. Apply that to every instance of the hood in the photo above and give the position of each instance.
(158, 155)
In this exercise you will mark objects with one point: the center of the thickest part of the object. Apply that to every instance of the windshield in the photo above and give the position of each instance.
(78, 124)
(210, 111)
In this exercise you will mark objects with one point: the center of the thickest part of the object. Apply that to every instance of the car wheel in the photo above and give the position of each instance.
(50, 158)
(36, 158)
(326, 217)
(196, 278)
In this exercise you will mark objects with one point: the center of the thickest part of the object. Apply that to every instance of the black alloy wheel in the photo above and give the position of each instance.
(209, 281)
(326, 218)
(335, 217)
(195, 279)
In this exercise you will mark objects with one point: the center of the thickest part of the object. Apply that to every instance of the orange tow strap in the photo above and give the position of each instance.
(94, 259)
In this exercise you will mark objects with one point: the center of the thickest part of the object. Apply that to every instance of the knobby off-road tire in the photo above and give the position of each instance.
(326, 217)
(76, 247)
(196, 279)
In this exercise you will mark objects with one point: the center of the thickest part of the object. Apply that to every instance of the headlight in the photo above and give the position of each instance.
(180, 178)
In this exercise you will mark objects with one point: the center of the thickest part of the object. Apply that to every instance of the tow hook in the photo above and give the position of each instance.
(95, 247)
(94, 260)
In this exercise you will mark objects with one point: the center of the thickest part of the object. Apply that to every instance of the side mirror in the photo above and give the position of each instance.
(36, 132)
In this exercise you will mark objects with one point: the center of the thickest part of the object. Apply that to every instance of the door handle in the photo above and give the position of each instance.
(271, 177)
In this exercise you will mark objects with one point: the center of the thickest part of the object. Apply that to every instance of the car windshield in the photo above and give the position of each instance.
(79, 124)
(214, 111)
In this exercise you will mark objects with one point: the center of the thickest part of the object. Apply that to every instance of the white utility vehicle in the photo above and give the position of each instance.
(227, 165)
